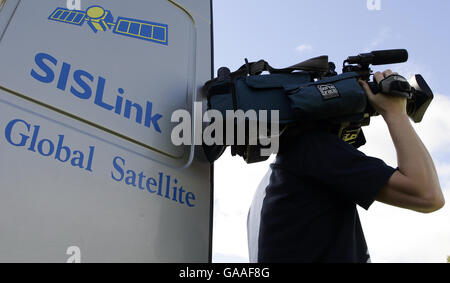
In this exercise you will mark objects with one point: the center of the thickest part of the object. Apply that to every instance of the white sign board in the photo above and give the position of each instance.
(88, 171)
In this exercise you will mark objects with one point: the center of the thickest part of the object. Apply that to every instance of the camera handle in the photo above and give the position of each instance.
(394, 85)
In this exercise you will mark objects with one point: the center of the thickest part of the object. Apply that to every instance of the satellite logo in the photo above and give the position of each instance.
(100, 19)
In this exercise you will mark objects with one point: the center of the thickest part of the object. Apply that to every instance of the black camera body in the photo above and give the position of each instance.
(416, 90)
(347, 127)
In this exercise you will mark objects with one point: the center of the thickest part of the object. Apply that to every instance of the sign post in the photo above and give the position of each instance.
(88, 170)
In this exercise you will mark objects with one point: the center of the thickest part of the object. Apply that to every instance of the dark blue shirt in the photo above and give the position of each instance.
(309, 212)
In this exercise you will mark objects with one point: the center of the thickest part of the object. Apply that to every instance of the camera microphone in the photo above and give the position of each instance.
(381, 57)
(385, 57)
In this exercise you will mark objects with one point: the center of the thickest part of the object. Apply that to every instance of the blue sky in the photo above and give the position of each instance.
(274, 29)
(286, 32)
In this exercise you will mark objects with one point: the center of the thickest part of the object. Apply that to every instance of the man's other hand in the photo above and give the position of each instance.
(384, 104)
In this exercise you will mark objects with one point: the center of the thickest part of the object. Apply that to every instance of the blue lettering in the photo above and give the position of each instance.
(83, 88)
(60, 147)
(49, 74)
(181, 195)
(8, 131)
(90, 158)
(190, 196)
(46, 147)
(99, 95)
(141, 177)
(160, 183)
(34, 139)
(152, 120)
(119, 101)
(77, 160)
(78, 77)
(51, 147)
(151, 182)
(131, 178)
(128, 106)
(168, 187)
(118, 168)
(63, 76)
(173, 192)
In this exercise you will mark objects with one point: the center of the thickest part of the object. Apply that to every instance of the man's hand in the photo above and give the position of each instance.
(415, 185)
(385, 104)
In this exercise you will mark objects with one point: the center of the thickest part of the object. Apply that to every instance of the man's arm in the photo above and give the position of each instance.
(415, 185)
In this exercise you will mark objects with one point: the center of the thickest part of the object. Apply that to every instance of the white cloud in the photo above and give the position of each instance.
(235, 183)
(434, 131)
(410, 68)
(381, 37)
(304, 48)
(229, 258)
(435, 128)
(398, 235)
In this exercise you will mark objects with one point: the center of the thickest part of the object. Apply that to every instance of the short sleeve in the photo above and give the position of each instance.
(342, 168)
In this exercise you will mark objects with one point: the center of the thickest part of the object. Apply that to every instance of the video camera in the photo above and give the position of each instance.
(302, 84)
(416, 90)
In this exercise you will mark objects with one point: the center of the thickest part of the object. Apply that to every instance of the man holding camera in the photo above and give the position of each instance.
(309, 210)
